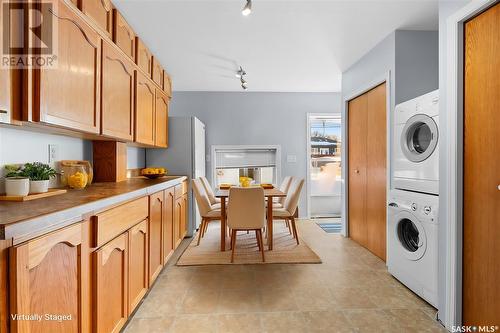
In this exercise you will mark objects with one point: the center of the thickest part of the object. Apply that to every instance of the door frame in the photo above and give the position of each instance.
(386, 78)
(308, 153)
(453, 179)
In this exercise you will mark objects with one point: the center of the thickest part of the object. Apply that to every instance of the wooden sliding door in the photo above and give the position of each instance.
(481, 230)
(367, 170)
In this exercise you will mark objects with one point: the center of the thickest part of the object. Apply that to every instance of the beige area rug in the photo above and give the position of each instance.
(285, 251)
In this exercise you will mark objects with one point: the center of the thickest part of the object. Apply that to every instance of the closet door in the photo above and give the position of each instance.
(376, 177)
(357, 168)
(481, 233)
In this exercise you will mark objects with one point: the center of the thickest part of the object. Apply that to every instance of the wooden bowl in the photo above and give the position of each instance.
(155, 175)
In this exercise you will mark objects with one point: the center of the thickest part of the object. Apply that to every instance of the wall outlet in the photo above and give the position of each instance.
(53, 152)
(291, 158)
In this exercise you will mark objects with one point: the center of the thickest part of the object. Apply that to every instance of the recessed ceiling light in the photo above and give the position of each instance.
(247, 10)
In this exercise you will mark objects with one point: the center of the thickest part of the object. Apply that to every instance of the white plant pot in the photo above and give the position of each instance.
(17, 186)
(39, 186)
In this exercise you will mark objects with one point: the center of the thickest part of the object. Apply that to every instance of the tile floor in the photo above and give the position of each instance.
(351, 291)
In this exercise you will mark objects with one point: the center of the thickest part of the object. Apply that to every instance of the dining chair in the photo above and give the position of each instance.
(210, 192)
(207, 211)
(287, 212)
(246, 212)
(284, 187)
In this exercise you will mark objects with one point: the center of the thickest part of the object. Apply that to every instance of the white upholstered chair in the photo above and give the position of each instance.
(287, 212)
(210, 193)
(284, 187)
(246, 211)
(207, 211)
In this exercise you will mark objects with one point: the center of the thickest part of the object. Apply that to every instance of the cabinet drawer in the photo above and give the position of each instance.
(157, 72)
(143, 57)
(123, 35)
(109, 224)
(100, 12)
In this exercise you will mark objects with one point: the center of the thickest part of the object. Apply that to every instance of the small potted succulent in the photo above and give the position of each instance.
(39, 175)
(16, 183)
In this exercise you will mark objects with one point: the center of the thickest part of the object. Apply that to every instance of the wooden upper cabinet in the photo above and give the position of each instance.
(138, 264)
(156, 211)
(167, 84)
(110, 301)
(161, 137)
(143, 57)
(157, 74)
(144, 110)
(67, 95)
(117, 94)
(123, 35)
(48, 275)
(100, 12)
(168, 225)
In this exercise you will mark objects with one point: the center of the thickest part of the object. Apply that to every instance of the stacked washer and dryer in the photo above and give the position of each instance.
(412, 239)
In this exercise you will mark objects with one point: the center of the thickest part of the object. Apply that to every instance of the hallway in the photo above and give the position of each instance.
(351, 291)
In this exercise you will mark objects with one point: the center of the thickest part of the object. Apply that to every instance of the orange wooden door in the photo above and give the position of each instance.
(156, 217)
(123, 35)
(68, 95)
(161, 131)
(117, 94)
(111, 286)
(99, 11)
(144, 110)
(481, 233)
(168, 224)
(138, 264)
(48, 275)
(376, 176)
(357, 168)
(143, 57)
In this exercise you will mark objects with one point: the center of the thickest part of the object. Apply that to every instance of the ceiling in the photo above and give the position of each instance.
(283, 45)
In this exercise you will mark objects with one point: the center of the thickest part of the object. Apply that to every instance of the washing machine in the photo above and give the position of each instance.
(412, 242)
(415, 157)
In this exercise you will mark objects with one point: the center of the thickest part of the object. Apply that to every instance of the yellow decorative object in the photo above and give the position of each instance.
(78, 180)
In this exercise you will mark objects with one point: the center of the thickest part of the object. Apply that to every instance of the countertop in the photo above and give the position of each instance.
(23, 220)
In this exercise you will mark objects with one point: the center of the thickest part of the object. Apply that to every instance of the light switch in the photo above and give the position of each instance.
(52, 153)
(291, 158)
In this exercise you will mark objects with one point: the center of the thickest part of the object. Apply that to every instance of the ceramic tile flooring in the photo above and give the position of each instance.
(351, 291)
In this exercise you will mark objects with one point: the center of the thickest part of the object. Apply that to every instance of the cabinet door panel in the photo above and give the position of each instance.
(157, 72)
(138, 263)
(184, 219)
(117, 95)
(110, 300)
(156, 211)
(47, 276)
(143, 57)
(69, 94)
(177, 221)
(357, 169)
(161, 137)
(167, 84)
(168, 225)
(144, 110)
(123, 35)
(99, 11)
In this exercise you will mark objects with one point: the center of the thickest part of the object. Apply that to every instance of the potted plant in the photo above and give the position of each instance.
(16, 184)
(39, 175)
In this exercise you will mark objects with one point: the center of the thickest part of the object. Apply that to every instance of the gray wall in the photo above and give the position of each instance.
(253, 118)
(446, 8)
(417, 63)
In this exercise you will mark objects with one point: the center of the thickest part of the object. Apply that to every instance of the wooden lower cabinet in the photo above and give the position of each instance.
(46, 279)
(168, 225)
(138, 258)
(111, 286)
(156, 213)
(180, 219)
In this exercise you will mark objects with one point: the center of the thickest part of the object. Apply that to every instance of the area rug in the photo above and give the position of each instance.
(285, 251)
(331, 227)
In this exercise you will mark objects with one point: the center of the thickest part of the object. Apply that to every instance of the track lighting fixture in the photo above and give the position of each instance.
(240, 74)
(247, 10)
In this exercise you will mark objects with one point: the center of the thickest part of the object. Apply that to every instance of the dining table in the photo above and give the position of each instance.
(269, 194)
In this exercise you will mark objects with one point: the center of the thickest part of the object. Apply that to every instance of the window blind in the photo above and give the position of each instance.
(245, 158)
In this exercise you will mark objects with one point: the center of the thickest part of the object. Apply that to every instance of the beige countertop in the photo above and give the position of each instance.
(23, 220)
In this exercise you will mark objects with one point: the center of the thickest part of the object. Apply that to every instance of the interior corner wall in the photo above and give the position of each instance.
(416, 63)
(258, 118)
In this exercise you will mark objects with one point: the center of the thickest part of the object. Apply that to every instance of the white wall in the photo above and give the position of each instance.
(136, 157)
(252, 118)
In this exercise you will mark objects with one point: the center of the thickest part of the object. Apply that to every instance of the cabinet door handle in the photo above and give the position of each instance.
(356, 171)
(498, 187)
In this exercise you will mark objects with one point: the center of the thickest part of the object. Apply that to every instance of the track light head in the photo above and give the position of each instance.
(247, 10)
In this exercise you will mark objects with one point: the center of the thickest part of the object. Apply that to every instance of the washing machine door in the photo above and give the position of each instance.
(410, 235)
(419, 138)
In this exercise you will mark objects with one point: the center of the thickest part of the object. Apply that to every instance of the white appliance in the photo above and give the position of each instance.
(185, 155)
(412, 242)
(415, 158)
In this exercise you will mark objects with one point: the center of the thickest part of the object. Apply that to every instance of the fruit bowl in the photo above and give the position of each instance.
(154, 176)
(153, 173)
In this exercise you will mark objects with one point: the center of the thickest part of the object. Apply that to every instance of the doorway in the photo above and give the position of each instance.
(324, 176)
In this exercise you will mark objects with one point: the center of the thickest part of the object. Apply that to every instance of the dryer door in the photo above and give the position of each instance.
(419, 138)
(410, 233)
